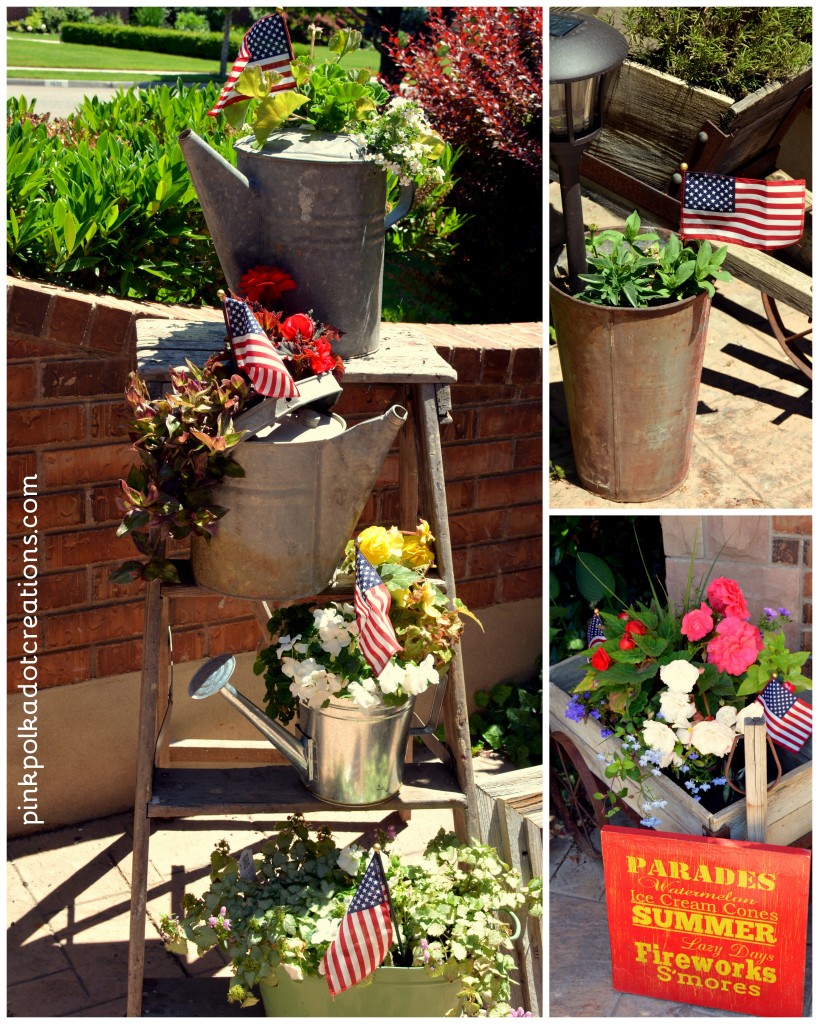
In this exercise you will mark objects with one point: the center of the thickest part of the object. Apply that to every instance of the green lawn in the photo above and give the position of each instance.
(74, 60)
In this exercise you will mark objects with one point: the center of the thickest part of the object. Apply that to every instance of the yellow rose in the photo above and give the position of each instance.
(416, 553)
(396, 543)
(375, 546)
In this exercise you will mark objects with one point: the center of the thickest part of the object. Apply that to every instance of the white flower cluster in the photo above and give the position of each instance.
(313, 682)
(714, 736)
(402, 141)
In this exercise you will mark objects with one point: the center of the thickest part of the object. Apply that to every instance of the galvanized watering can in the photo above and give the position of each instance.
(307, 479)
(345, 754)
(308, 203)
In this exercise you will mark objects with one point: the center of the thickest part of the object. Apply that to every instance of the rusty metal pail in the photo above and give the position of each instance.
(631, 378)
(308, 203)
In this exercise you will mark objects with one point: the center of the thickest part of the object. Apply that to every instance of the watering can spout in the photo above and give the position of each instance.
(228, 200)
(213, 677)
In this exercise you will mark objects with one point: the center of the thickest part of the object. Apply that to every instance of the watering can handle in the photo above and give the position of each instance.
(402, 207)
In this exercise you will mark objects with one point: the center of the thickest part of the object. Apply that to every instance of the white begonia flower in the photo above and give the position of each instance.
(727, 715)
(684, 734)
(659, 737)
(293, 971)
(326, 930)
(419, 677)
(712, 737)
(391, 677)
(316, 686)
(349, 859)
(754, 710)
(290, 643)
(676, 707)
(679, 675)
(332, 630)
(676, 760)
(363, 694)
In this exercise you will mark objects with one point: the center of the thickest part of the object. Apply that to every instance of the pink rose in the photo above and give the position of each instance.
(735, 647)
(697, 623)
(726, 598)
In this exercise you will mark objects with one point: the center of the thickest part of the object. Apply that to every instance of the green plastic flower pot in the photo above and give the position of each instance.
(394, 992)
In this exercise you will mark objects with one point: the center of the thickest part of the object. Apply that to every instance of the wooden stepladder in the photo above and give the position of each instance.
(163, 788)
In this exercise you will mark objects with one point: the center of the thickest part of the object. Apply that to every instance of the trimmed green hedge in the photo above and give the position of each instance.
(207, 45)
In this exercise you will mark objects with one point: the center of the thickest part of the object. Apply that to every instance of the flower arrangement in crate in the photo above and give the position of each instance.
(676, 686)
(317, 653)
(277, 920)
(185, 438)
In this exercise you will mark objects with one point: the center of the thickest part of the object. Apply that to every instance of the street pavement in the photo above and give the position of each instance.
(60, 97)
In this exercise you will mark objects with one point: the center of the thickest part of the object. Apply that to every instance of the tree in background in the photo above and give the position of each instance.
(477, 72)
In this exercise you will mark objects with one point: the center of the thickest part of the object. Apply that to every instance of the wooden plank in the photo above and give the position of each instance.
(776, 98)
(405, 355)
(521, 846)
(767, 274)
(205, 752)
(756, 779)
(179, 792)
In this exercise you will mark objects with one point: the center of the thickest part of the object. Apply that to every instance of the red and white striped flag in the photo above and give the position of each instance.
(256, 354)
(756, 214)
(267, 46)
(376, 637)
(788, 718)
(365, 934)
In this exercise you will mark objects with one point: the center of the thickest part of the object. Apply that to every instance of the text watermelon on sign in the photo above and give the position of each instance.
(712, 922)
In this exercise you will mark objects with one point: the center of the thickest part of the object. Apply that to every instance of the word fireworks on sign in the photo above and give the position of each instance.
(712, 922)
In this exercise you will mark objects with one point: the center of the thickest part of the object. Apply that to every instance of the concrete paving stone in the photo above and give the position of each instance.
(558, 849)
(110, 1008)
(579, 959)
(53, 996)
(579, 875)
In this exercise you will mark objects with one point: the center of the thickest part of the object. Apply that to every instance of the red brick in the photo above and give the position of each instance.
(103, 590)
(495, 365)
(69, 319)
(509, 489)
(807, 613)
(389, 507)
(508, 556)
(45, 512)
(478, 593)
(109, 421)
(111, 329)
(117, 659)
(475, 527)
(524, 521)
(807, 584)
(527, 366)
(27, 310)
(806, 640)
(91, 376)
(462, 427)
(475, 460)
(53, 425)
(95, 626)
(466, 362)
(514, 420)
(18, 467)
(459, 560)
(67, 550)
(363, 401)
(388, 474)
(58, 669)
(188, 645)
(460, 495)
(104, 507)
(807, 553)
(518, 586)
(94, 464)
(792, 524)
(232, 637)
(481, 394)
(54, 591)
(528, 452)
(210, 608)
(14, 557)
(21, 385)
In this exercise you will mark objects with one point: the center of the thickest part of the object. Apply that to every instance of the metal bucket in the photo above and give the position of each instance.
(290, 516)
(631, 378)
(355, 756)
(309, 204)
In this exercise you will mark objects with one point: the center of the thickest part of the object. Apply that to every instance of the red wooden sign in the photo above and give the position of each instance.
(712, 922)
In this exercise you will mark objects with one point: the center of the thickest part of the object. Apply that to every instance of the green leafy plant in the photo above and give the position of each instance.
(509, 720)
(446, 909)
(631, 269)
(733, 50)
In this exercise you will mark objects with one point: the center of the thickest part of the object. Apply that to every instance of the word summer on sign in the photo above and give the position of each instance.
(716, 923)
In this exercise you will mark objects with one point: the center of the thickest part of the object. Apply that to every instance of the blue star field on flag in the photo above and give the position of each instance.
(594, 631)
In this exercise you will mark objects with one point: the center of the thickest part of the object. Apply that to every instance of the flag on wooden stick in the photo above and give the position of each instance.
(256, 354)
(266, 46)
(756, 214)
(788, 718)
(376, 637)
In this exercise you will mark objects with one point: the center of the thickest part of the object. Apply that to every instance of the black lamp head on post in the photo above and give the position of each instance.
(583, 53)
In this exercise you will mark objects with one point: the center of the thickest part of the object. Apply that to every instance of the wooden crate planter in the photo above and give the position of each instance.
(789, 803)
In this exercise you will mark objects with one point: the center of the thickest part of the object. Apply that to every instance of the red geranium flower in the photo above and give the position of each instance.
(636, 627)
(320, 356)
(600, 660)
(626, 643)
(266, 284)
(298, 323)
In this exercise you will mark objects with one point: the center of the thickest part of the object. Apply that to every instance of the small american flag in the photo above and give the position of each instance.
(266, 46)
(594, 631)
(376, 637)
(789, 719)
(756, 214)
(365, 934)
(256, 354)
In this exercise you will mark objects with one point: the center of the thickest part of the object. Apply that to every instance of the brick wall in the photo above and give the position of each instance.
(769, 556)
(69, 355)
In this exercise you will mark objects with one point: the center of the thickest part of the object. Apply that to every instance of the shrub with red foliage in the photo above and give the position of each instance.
(480, 79)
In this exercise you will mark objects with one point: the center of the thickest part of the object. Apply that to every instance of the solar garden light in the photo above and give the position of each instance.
(583, 53)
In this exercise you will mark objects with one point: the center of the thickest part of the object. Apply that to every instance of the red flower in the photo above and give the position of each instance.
(298, 323)
(266, 284)
(600, 660)
(636, 628)
(623, 615)
(320, 356)
(626, 643)
(726, 598)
